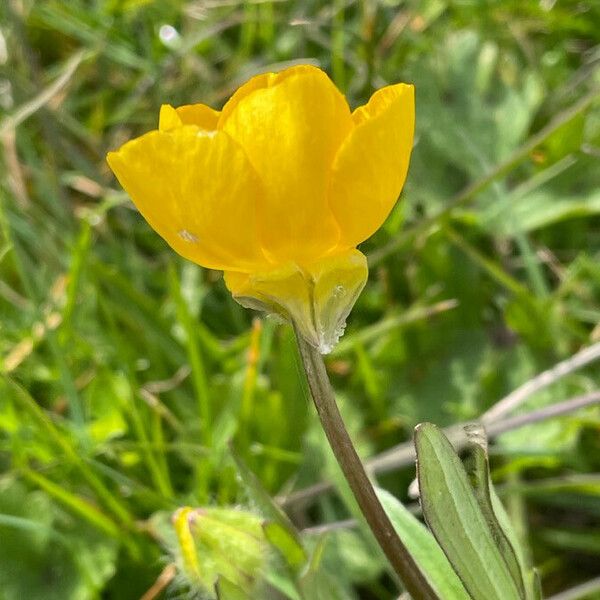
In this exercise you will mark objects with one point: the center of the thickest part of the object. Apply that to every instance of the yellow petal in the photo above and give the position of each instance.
(257, 82)
(291, 125)
(317, 299)
(199, 114)
(190, 114)
(198, 191)
(168, 118)
(371, 166)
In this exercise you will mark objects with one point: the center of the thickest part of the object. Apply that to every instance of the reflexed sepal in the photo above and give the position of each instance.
(317, 298)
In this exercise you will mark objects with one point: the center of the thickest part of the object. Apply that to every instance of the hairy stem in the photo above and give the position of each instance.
(345, 453)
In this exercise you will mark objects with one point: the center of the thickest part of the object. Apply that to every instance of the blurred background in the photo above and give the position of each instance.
(111, 346)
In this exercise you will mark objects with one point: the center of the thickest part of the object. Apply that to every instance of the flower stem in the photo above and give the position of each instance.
(345, 453)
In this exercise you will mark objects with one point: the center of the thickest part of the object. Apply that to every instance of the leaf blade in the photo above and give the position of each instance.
(456, 520)
(425, 550)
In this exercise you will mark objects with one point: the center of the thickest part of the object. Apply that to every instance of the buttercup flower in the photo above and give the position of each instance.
(276, 190)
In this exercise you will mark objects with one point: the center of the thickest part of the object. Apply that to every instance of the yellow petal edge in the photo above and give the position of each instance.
(371, 166)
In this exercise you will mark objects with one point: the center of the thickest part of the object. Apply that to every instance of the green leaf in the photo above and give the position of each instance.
(226, 590)
(44, 555)
(534, 583)
(477, 468)
(530, 576)
(424, 549)
(286, 543)
(282, 584)
(262, 498)
(78, 505)
(457, 521)
(316, 583)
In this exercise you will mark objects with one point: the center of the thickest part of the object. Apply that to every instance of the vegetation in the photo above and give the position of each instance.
(132, 385)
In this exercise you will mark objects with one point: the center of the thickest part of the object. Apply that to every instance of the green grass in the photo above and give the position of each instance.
(125, 371)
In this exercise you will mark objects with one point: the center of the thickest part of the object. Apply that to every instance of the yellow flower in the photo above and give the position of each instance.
(276, 190)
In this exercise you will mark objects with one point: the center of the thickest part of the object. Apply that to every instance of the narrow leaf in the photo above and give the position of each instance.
(457, 521)
(316, 583)
(287, 544)
(477, 468)
(264, 501)
(533, 590)
(78, 505)
(424, 549)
